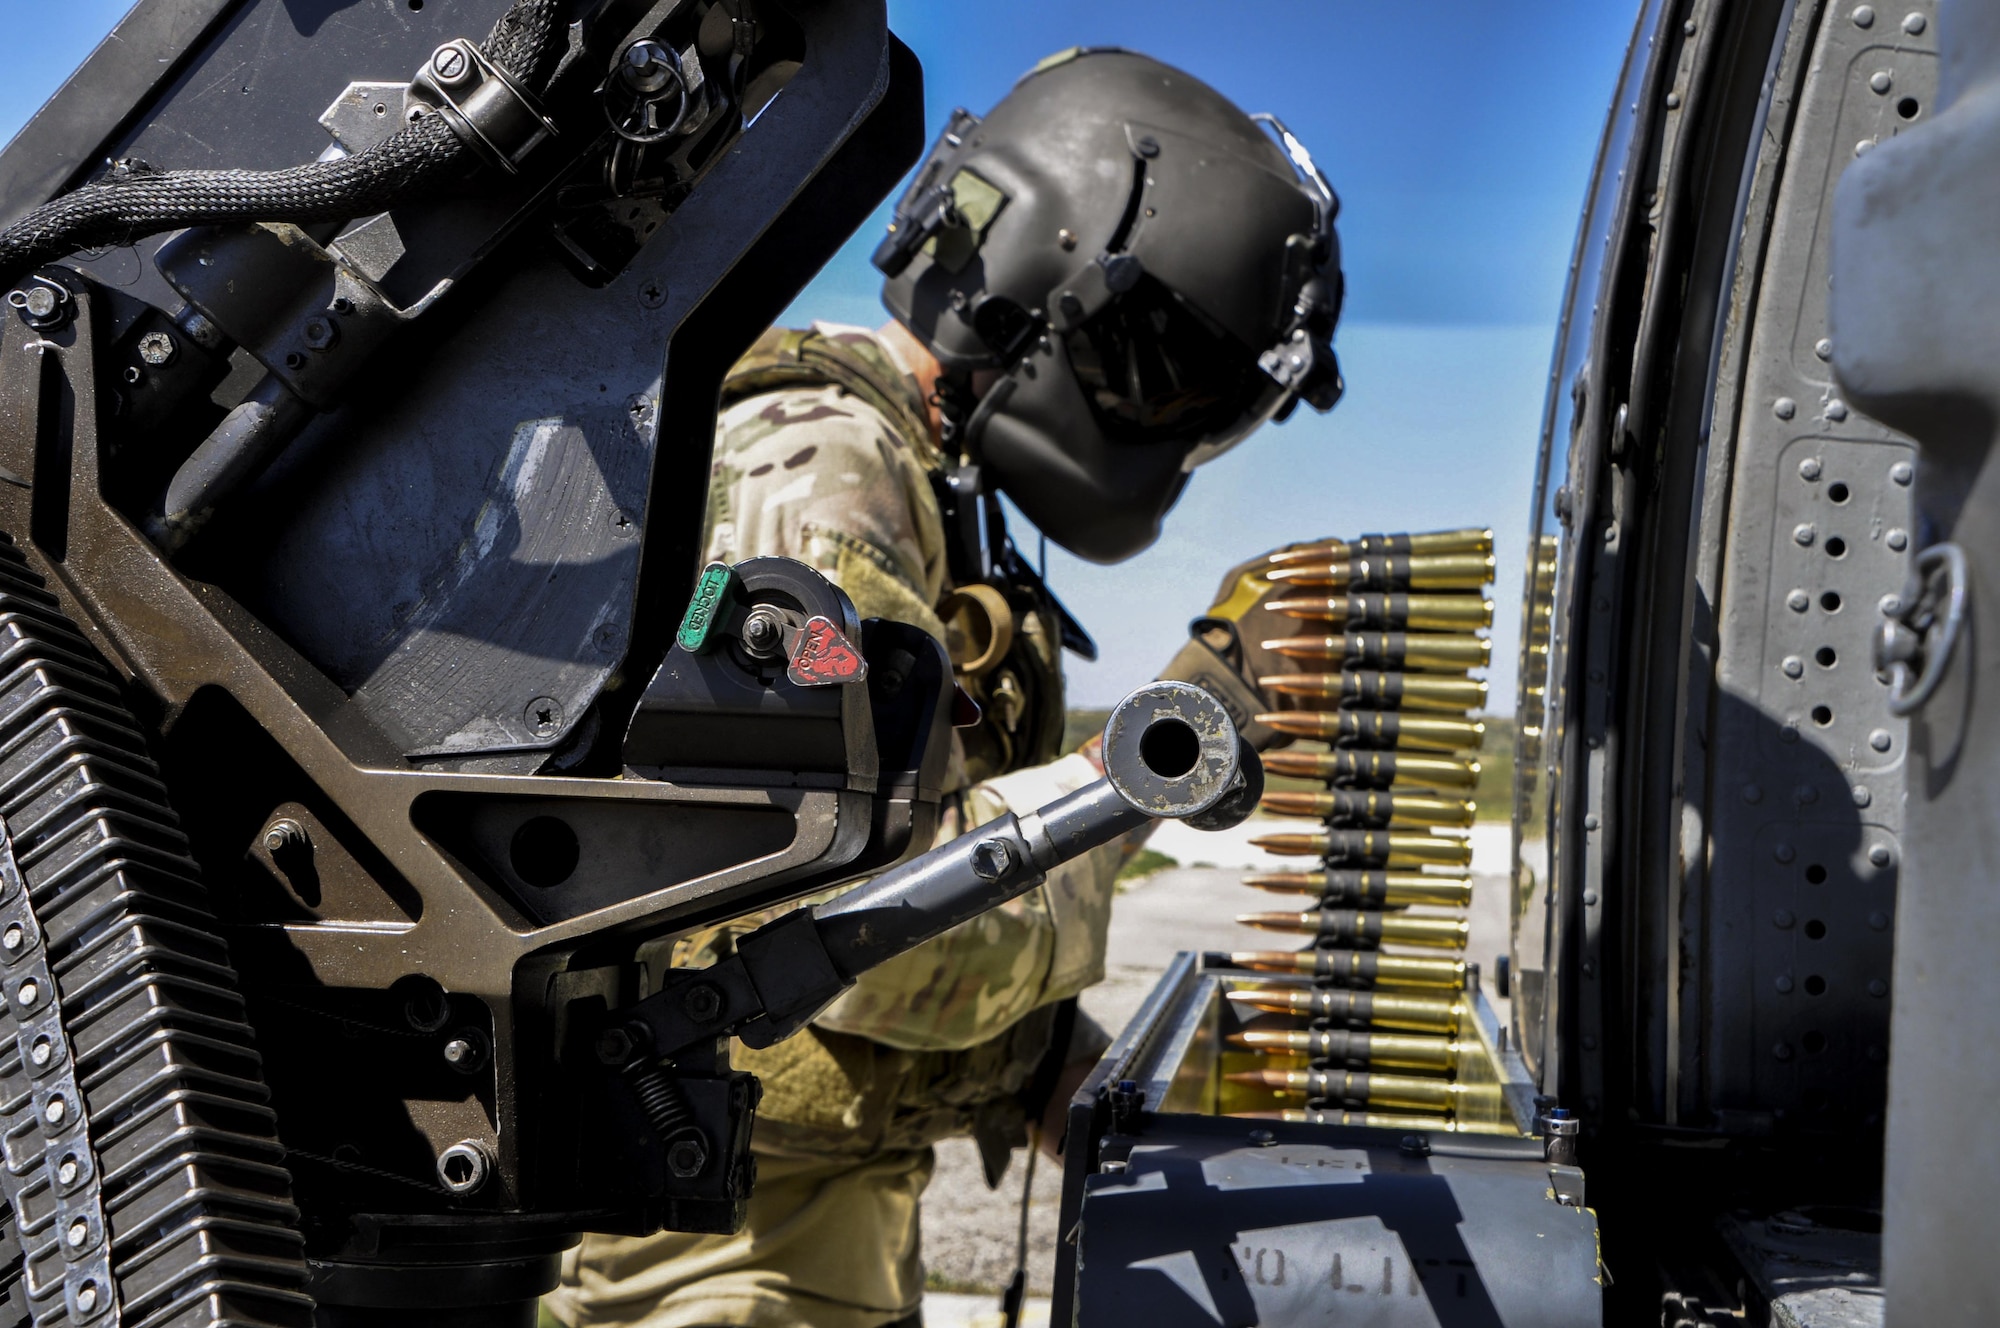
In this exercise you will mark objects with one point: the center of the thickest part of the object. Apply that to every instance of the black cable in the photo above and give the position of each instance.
(133, 202)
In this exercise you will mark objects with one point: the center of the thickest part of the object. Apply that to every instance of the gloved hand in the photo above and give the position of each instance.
(1225, 651)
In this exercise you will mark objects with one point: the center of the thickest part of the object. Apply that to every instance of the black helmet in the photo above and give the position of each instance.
(1150, 273)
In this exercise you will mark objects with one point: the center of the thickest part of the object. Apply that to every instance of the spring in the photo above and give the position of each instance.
(661, 1099)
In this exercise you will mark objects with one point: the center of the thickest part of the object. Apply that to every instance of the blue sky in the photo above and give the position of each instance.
(1459, 134)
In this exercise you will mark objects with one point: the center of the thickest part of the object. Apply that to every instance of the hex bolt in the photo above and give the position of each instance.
(449, 64)
(764, 633)
(320, 333)
(648, 67)
(991, 858)
(464, 1167)
(156, 348)
(614, 1046)
(284, 835)
(702, 1002)
(687, 1156)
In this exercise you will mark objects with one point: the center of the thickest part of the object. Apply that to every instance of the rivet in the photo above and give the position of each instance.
(1784, 408)
(1890, 604)
(1823, 348)
(1798, 601)
(1809, 468)
(1783, 1051)
(1879, 81)
(1673, 101)
(1878, 920)
(1805, 795)
(1880, 855)
(13, 938)
(1914, 23)
(1863, 146)
(1902, 472)
(1590, 899)
(1899, 540)
(1789, 733)
(1836, 410)
(27, 993)
(67, 1171)
(1688, 28)
(1752, 794)
(1877, 988)
(1862, 797)
(42, 1052)
(1794, 667)
(55, 1111)
(79, 1232)
(1803, 534)
(1591, 822)
(1784, 853)
(1784, 985)
(1783, 919)
(1589, 969)
(1880, 740)
(1863, 16)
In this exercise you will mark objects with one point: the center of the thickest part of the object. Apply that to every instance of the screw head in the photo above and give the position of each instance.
(687, 1155)
(544, 716)
(1147, 145)
(156, 348)
(464, 1167)
(461, 1054)
(652, 295)
(449, 64)
(41, 301)
(991, 859)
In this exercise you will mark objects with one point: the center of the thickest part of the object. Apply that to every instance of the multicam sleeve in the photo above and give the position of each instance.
(817, 475)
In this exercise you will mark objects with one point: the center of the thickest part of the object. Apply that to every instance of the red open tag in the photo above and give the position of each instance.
(825, 658)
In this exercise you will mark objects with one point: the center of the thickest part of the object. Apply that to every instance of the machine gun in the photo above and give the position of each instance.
(355, 780)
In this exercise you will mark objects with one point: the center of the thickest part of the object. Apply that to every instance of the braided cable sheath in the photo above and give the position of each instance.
(129, 205)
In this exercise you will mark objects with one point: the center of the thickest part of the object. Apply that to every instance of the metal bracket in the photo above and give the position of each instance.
(484, 106)
(1902, 646)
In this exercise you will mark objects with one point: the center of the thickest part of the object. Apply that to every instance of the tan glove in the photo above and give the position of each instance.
(1225, 651)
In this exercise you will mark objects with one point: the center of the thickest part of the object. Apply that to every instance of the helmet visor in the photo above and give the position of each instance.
(1155, 369)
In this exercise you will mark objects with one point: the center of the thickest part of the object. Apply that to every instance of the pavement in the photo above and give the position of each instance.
(970, 1233)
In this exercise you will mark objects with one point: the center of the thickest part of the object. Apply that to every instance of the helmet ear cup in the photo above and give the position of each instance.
(1038, 441)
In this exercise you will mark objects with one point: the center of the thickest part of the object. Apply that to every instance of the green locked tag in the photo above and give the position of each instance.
(714, 593)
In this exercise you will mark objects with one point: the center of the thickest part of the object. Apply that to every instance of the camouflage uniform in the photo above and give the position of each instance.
(823, 453)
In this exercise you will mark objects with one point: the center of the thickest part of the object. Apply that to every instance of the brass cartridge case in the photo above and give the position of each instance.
(1391, 612)
(1472, 540)
(1368, 889)
(1349, 768)
(1389, 571)
(1413, 1011)
(1361, 1088)
(1363, 689)
(1434, 652)
(1370, 809)
(1356, 968)
(1380, 729)
(1402, 1051)
(1365, 930)
(1385, 849)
